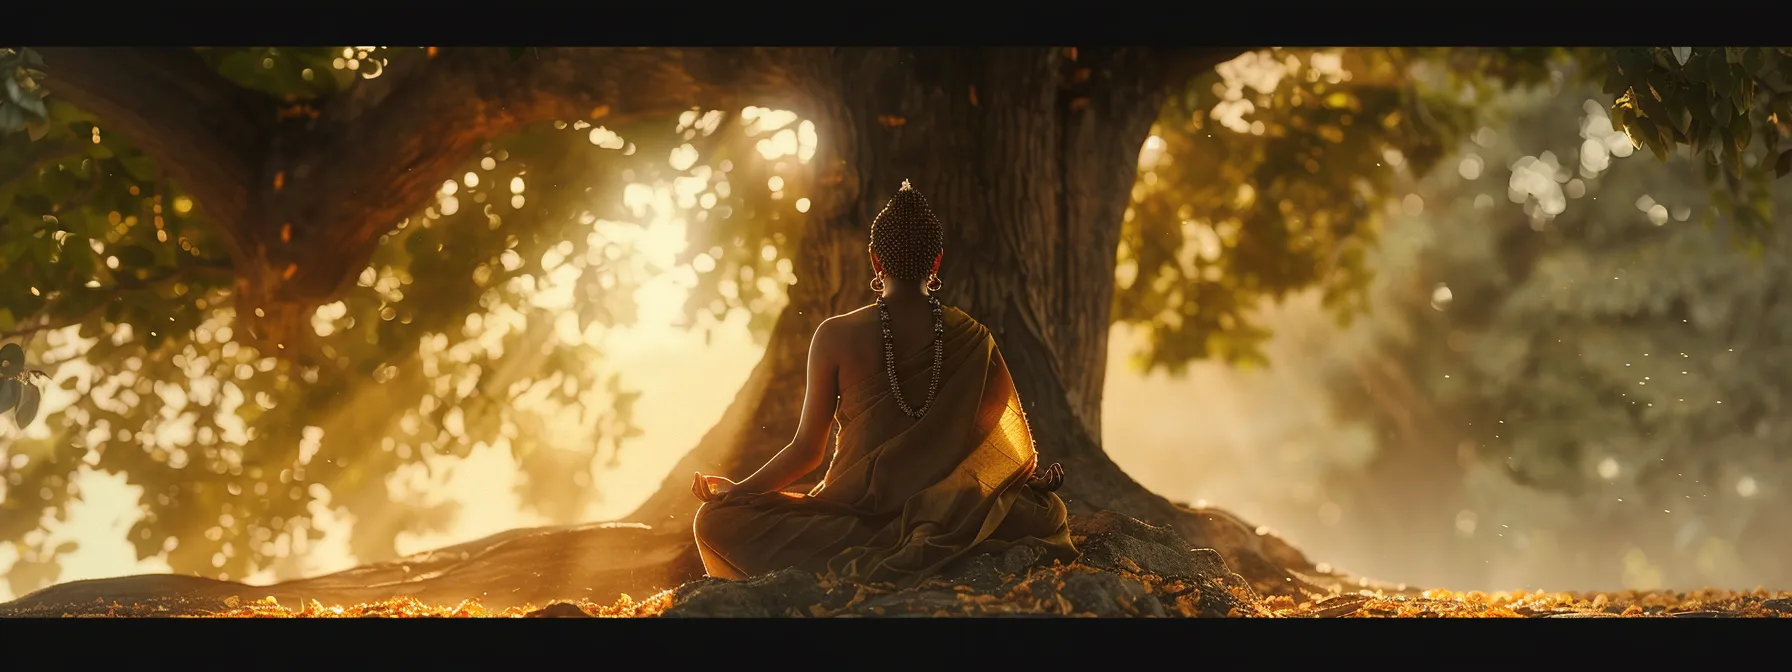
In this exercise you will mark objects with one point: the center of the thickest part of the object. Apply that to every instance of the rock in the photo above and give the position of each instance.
(786, 592)
(1109, 595)
(982, 573)
(1019, 559)
(1111, 522)
(990, 573)
(1781, 604)
(559, 610)
(1114, 541)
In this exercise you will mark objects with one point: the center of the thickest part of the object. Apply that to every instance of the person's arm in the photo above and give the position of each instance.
(808, 448)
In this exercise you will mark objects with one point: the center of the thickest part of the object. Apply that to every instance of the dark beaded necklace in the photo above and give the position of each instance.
(939, 356)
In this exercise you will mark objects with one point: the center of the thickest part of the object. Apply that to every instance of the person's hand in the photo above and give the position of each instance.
(708, 488)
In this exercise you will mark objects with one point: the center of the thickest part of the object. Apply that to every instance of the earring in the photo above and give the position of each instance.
(877, 284)
(933, 283)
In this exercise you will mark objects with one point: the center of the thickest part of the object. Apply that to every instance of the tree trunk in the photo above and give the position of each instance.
(1029, 157)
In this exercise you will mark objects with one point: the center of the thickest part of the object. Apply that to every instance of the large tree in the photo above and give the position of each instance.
(1033, 155)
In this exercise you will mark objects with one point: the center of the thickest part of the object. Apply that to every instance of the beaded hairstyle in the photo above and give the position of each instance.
(906, 236)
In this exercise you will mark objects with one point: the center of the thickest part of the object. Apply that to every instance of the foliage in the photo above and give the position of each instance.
(1271, 175)
(22, 106)
(236, 451)
(1600, 345)
(1730, 105)
(19, 393)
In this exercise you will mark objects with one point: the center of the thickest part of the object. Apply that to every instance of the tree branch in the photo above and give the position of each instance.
(302, 202)
(202, 129)
(380, 152)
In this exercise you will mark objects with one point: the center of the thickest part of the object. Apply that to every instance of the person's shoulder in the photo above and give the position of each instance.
(850, 321)
(955, 316)
(845, 325)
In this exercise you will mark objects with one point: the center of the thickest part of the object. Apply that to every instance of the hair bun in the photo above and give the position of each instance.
(906, 236)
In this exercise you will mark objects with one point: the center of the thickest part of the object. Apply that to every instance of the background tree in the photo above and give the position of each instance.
(1596, 345)
(299, 191)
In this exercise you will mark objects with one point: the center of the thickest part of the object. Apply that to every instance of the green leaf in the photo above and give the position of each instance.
(1753, 60)
(1652, 139)
(1654, 109)
(1614, 83)
(29, 399)
(31, 59)
(33, 105)
(1740, 131)
(1698, 104)
(1783, 165)
(1681, 54)
(1634, 63)
(1743, 97)
(12, 359)
(11, 117)
(10, 392)
(1717, 74)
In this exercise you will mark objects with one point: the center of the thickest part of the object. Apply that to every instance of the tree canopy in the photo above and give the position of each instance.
(475, 310)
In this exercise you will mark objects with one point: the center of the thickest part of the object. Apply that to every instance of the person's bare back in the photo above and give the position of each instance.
(855, 341)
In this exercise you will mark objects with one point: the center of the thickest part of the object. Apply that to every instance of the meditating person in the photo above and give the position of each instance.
(933, 462)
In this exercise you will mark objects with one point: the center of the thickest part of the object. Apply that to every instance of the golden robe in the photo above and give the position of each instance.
(903, 497)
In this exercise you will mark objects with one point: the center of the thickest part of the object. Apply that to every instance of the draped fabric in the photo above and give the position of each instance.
(903, 497)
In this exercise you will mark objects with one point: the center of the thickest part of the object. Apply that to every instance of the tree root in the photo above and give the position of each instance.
(1273, 566)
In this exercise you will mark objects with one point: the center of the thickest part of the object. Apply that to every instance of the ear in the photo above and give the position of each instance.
(936, 262)
(877, 265)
